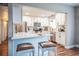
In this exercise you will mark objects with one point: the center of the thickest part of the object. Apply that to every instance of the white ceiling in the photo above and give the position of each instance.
(32, 11)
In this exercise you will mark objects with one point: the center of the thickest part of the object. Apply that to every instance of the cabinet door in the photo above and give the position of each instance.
(29, 20)
(57, 38)
(61, 18)
(62, 38)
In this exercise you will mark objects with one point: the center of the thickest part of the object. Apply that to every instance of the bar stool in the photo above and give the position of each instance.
(25, 46)
(46, 45)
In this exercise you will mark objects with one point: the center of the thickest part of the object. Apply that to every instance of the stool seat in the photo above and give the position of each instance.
(24, 46)
(47, 44)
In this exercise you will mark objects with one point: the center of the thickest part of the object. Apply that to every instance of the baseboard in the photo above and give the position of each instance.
(77, 46)
(69, 47)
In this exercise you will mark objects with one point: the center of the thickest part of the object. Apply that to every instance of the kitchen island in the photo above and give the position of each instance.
(32, 38)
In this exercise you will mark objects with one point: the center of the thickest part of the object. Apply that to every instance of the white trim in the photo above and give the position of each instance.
(71, 46)
(77, 46)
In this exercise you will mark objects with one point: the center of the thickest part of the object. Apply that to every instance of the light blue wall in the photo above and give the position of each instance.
(17, 14)
(77, 26)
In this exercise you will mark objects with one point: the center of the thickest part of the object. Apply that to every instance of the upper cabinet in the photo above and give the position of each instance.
(17, 14)
(43, 21)
(60, 17)
(31, 20)
(28, 20)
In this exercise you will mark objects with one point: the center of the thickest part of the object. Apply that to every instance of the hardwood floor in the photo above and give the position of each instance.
(61, 51)
(4, 48)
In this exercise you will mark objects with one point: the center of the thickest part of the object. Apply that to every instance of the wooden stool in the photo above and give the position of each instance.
(25, 46)
(46, 45)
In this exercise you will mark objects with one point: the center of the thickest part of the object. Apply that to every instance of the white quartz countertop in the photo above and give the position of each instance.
(28, 35)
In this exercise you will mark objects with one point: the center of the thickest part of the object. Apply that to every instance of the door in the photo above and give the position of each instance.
(0, 33)
(5, 31)
(0, 38)
(5, 38)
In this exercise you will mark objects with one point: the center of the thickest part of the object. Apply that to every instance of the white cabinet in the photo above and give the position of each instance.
(61, 18)
(28, 20)
(61, 28)
(43, 21)
(61, 38)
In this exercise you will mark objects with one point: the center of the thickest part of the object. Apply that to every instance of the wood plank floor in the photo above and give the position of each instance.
(4, 48)
(61, 51)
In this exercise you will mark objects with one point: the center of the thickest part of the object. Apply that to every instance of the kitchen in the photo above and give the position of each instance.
(35, 25)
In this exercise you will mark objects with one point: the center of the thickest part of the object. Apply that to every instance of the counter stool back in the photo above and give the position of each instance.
(26, 47)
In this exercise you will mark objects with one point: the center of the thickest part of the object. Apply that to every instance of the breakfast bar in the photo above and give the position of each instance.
(32, 38)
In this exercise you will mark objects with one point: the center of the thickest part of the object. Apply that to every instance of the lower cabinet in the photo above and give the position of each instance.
(61, 38)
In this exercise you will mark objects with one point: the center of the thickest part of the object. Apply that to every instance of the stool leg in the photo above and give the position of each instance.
(30, 53)
(42, 51)
(38, 50)
(55, 51)
(33, 52)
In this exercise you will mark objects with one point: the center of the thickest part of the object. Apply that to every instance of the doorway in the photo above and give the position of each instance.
(3, 30)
